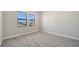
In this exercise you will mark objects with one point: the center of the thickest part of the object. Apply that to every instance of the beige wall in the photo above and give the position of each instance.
(0, 27)
(0, 24)
(65, 23)
(10, 24)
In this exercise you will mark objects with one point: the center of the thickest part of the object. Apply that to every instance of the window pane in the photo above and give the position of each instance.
(22, 18)
(31, 17)
(31, 20)
(21, 15)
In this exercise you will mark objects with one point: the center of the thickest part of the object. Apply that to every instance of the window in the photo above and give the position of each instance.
(31, 20)
(21, 18)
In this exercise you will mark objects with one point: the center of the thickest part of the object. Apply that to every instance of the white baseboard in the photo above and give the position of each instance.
(75, 38)
(18, 35)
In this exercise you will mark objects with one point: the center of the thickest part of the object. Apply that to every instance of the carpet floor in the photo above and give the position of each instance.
(40, 39)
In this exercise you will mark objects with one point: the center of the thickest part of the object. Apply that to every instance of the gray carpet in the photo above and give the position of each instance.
(40, 39)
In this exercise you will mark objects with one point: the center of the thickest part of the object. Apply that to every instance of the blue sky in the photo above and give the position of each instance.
(31, 17)
(21, 15)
